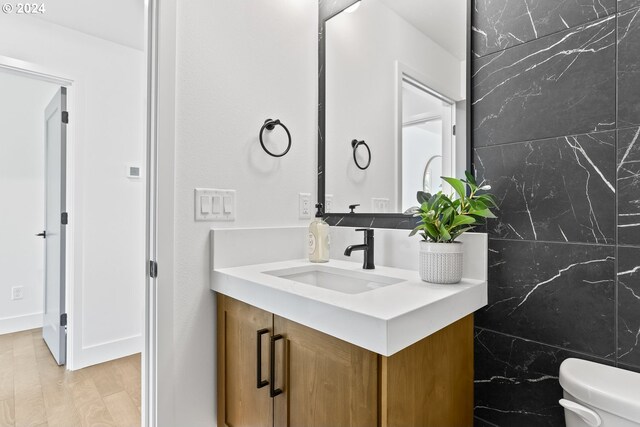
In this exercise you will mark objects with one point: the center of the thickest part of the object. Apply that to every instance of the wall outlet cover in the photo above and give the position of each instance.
(17, 292)
(328, 203)
(380, 205)
(304, 205)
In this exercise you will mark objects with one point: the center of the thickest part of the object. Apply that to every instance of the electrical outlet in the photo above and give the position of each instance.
(304, 205)
(17, 292)
(380, 205)
(328, 203)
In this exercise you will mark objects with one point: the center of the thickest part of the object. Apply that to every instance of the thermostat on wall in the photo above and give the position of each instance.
(134, 171)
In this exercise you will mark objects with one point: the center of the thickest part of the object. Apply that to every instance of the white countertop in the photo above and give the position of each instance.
(384, 320)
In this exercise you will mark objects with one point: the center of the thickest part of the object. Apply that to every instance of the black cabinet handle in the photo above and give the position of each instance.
(273, 392)
(43, 234)
(259, 381)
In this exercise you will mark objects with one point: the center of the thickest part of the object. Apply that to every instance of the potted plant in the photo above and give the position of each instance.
(442, 220)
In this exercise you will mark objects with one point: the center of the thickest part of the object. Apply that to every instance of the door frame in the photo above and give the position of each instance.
(435, 88)
(74, 205)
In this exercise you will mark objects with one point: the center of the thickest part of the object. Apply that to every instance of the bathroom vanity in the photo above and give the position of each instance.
(301, 344)
(320, 380)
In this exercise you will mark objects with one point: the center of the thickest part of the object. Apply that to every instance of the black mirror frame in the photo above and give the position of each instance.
(326, 10)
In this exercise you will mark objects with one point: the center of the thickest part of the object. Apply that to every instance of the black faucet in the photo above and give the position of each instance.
(367, 247)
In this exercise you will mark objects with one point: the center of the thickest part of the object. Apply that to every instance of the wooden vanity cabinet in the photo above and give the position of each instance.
(327, 381)
(322, 381)
(240, 401)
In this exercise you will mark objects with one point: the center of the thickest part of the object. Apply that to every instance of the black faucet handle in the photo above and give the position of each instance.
(352, 207)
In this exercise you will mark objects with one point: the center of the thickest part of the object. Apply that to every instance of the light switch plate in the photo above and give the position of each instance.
(215, 205)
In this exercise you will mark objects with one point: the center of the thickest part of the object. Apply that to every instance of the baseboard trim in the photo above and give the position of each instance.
(107, 351)
(25, 322)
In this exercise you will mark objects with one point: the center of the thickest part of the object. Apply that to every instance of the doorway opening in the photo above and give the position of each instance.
(22, 183)
(72, 238)
(427, 136)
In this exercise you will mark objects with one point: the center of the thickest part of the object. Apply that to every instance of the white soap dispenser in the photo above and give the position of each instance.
(318, 238)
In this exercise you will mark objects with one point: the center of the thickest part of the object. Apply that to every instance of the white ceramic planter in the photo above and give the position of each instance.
(440, 262)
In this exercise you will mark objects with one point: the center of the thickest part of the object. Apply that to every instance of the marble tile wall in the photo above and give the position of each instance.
(556, 132)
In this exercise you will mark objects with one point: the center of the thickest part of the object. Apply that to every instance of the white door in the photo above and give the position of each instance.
(54, 325)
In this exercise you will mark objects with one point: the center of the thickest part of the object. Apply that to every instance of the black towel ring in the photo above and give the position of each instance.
(270, 125)
(355, 144)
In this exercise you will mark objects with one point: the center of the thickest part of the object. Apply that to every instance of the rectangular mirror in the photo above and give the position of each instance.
(393, 101)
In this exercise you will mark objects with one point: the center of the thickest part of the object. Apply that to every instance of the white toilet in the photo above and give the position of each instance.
(598, 395)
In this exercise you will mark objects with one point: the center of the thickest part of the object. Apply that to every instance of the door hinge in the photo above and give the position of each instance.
(153, 269)
(63, 319)
(64, 218)
(65, 117)
(454, 129)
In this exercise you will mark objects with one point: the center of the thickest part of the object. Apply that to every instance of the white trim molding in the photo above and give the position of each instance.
(111, 350)
(9, 325)
(161, 199)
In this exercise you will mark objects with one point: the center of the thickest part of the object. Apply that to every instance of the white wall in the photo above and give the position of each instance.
(238, 63)
(22, 188)
(106, 209)
(418, 146)
(362, 50)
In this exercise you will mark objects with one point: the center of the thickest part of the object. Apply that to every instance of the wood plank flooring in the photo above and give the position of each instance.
(36, 392)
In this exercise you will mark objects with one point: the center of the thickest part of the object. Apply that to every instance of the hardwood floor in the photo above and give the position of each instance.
(36, 392)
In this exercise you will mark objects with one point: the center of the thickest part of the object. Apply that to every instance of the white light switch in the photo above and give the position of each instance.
(228, 204)
(215, 205)
(205, 204)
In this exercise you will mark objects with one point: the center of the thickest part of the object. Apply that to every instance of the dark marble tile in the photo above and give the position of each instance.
(407, 222)
(563, 84)
(499, 24)
(629, 68)
(630, 368)
(556, 293)
(629, 306)
(560, 189)
(627, 4)
(629, 186)
(516, 381)
(477, 422)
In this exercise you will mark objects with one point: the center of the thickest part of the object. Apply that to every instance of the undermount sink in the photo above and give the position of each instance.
(336, 279)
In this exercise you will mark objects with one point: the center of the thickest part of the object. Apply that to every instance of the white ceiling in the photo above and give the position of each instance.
(119, 21)
(443, 21)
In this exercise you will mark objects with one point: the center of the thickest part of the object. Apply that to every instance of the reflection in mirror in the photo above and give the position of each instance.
(427, 129)
(395, 77)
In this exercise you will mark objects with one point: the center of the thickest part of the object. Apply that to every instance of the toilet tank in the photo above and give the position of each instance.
(612, 393)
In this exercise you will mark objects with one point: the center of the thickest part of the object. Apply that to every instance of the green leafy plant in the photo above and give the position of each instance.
(444, 218)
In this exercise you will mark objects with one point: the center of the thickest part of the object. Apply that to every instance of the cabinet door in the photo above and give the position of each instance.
(240, 402)
(326, 382)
